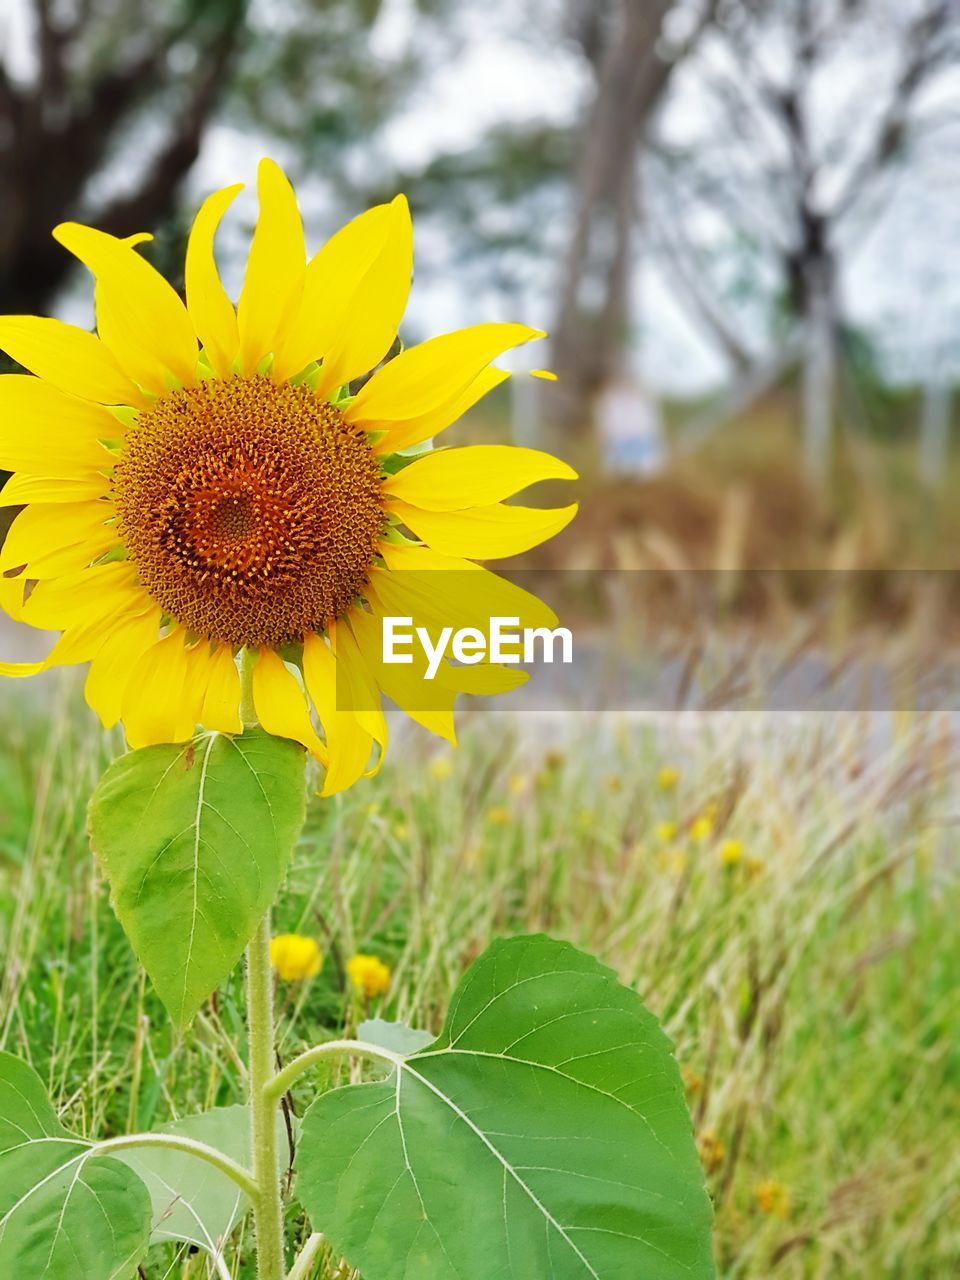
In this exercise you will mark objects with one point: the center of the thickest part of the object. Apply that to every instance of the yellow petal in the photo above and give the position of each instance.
(113, 666)
(332, 278)
(484, 533)
(483, 679)
(78, 598)
(148, 318)
(43, 430)
(364, 696)
(273, 286)
(369, 321)
(12, 591)
(424, 378)
(69, 358)
(154, 705)
(20, 670)
(425, 701)
(211, 312)
(23, 489)
(57, 539)
(401, 435)
(83, 641)
(441, 591)
(140, 365)
(221, 701)
(195, 683)
(348, 743)
(545, 375)
(452, 479)
(281, 706)
(445, 591)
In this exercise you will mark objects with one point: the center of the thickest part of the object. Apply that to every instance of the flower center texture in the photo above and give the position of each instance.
(252, 511)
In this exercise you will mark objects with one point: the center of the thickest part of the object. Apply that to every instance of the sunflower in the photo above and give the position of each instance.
(201, 491)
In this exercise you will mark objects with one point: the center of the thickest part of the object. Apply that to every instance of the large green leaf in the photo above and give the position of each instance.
(64, 1213)
(544, 1134)
(193, 1201)
(395, 1036)
(194, 840)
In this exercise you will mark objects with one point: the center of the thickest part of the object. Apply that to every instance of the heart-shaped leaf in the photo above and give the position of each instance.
(395, 1036)
(194, 840)
(64, 1212)
(193, 1201)
(545, 1133)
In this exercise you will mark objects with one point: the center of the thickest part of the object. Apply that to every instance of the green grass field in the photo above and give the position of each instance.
(788, 908)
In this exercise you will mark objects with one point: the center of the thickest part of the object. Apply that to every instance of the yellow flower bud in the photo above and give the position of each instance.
(668, 777)
(731, 852)
(701, 829)
(369, 975)
(773, 1198)
(441, 767)
(295, 957)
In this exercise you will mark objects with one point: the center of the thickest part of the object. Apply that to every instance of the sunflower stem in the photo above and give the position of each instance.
(268, 1204)
(248, 712)
(268, 1201)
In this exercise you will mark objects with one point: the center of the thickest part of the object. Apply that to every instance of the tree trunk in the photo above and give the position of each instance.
(591, 331)
(819, 372)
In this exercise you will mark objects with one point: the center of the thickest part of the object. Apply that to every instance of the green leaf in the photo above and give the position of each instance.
(64, 1213)
(395, 1036)
(193, 1201)
(194, 840)
(544, 1133)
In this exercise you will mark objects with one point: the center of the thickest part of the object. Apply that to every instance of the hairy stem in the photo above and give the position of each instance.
(279, 1084)
(267, 1205)
(248, 712)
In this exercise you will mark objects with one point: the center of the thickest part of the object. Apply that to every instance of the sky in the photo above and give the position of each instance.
(901, 280)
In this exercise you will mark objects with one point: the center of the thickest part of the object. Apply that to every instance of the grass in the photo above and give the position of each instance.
(810, 986)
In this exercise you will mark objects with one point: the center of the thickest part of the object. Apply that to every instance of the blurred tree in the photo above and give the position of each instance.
(535, 195)
(631, 61)
(98, 66)
(106, 112)
(808, 109)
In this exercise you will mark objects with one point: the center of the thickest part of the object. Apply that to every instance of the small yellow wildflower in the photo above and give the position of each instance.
(369, 975)
(692, 1080)
(701, 829)
(668, 777)
(773, 1198)
(731, 852)
(498, 816)
(295, 957)
(441, 767)
(753, 866)
(712, 1151)
(401, 830)
(518, 784)
(666, 832)
(554, 760)
(674, 860)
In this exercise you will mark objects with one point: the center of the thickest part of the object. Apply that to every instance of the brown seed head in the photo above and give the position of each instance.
(251, 510)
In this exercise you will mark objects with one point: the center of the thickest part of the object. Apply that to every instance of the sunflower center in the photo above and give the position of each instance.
(251, 510)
